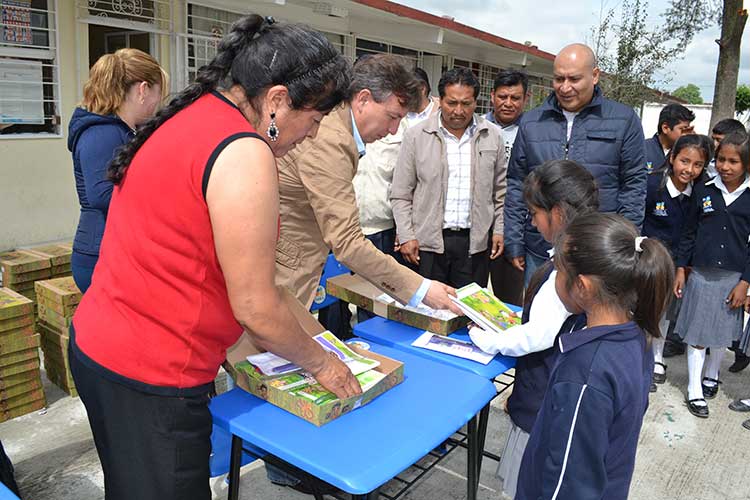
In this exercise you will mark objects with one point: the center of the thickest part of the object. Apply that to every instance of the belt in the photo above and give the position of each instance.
(455, 229)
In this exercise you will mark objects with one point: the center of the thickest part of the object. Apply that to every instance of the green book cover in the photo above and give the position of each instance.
(485, 309)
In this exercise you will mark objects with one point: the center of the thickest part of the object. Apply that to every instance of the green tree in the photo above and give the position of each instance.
(690, 93)
(685, 18)
(630, 54)
(742, 102)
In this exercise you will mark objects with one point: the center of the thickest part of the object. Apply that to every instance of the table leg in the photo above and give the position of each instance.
(373, 495)
(471, 453)
(234, 468)
(484, 416)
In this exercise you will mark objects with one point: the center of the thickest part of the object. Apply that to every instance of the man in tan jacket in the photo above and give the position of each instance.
(448, 188)
(318, 207)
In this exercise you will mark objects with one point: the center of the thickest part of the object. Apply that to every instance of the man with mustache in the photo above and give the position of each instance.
(448, 188)
(509, 97)
(576, 122)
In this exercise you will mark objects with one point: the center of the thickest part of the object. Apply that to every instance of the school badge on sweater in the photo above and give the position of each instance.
(660, 210)
(707, 207)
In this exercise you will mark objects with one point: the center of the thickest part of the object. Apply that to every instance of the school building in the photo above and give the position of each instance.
(48, 46)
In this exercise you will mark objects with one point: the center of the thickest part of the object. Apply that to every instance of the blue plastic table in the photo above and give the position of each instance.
(360, 451)
(401, 336)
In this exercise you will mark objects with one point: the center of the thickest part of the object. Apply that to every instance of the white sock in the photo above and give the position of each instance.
(713, 363)
(658, 346)
(745, 402)
(695, 360)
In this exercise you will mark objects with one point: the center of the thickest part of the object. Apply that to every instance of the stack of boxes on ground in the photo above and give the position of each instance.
(22, 268)
(20, 377)
(57, 300)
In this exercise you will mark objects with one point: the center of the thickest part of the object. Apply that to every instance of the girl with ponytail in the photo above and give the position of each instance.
(122, 93)
(187, 259)
(583, 443)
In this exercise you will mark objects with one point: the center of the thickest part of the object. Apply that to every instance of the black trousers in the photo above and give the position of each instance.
(455, 266)
(507, 281)
(150, 447)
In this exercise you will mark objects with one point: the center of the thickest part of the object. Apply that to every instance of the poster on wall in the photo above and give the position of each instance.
(21, 92)
(16, 20)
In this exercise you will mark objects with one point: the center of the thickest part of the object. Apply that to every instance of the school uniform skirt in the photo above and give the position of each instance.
(510, 460)
(705, 318)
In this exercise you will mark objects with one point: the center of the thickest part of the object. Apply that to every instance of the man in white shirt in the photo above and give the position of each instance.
(509, 97)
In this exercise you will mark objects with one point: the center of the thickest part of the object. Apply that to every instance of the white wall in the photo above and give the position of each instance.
(650, 117)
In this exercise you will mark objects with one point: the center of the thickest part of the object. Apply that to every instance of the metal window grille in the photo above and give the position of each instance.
(29, 71)
(146, 15)
(412, 58)
(207, 25)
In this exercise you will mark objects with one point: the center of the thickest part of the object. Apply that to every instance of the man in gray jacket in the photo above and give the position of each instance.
(448, 188)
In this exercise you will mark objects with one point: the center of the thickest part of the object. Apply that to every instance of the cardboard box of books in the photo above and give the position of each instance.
(360, 292)
(13, 304)
(11, 413)
(62, 291)
(57, 254)
(290, 388)
(22, 261)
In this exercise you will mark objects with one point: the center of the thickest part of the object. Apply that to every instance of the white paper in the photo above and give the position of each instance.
(454, 347)
(442, 314)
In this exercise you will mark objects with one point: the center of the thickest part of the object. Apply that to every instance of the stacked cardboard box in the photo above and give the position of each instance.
(59, 256)
(20, 378)
(21, 268)
(57, 299)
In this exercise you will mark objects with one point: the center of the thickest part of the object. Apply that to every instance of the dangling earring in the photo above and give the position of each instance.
(273, 130)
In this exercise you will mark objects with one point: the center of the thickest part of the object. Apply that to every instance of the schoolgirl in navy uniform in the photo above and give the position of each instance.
(584, 440)
(555, 192)
(715, 243)
(668, 195)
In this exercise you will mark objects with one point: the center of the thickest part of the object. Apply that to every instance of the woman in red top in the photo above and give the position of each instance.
(187, 258)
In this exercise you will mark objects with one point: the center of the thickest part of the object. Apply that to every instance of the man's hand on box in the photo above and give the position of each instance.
(337, 378)
(439, 297)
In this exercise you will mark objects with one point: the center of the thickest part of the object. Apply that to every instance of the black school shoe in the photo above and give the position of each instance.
(746, 424)
(738, 405)
(660, 378)
(740, 362)
(700, 411)
(653, 387)
(710, 392)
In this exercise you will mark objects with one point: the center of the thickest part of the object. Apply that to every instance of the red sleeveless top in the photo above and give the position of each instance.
(157, 312)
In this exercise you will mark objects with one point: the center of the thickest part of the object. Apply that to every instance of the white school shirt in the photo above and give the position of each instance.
(674, 192)
(458, 197)
(729, 198)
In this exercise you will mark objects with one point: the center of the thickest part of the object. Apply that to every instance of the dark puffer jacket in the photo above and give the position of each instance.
(606, 138)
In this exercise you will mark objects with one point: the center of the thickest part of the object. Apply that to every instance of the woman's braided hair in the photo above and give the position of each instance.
(256, 54)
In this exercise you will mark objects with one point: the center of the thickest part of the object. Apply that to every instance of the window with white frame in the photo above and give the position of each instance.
(207, 25)
(29, 72)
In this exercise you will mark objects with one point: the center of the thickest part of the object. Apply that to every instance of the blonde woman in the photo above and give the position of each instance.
(123, 92)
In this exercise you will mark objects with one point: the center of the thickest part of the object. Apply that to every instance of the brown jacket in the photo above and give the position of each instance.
(319, 212)
(420, 184)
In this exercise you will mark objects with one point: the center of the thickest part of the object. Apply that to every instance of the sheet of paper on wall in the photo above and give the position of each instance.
(454, 347)
(442, 314)
(21, 92)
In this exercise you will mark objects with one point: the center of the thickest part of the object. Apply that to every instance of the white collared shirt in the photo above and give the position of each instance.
(416, 118)
(729, 198)
(458, 198)
(674, 192)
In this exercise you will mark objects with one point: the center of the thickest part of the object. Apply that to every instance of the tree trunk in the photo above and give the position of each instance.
(733, 22)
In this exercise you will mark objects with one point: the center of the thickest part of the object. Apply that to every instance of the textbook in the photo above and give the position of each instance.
(269, 364)
(454, 347)
(484, 309)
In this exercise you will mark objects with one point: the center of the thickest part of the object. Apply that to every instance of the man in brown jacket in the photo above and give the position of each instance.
(318, 207)
(448, 188)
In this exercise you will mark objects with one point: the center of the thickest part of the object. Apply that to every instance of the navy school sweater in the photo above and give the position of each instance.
(714, 235)
(665, 215)
(584, 440)
(655, 156)
(532, 370)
